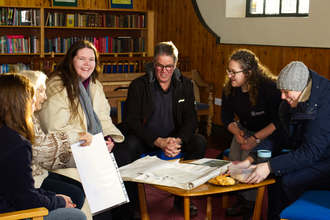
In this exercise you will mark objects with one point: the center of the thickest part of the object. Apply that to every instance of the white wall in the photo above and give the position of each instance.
(313, 31)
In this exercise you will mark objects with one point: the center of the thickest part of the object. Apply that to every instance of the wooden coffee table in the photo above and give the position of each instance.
(208, 190)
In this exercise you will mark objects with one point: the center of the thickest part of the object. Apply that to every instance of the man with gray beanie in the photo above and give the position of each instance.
(305, 130)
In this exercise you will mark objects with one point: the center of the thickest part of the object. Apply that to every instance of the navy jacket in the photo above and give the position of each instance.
(139, 107)
(17, 190)
(305, 130)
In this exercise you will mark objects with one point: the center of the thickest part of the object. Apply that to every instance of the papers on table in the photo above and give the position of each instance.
(99, 175)
(212, 162)
(170, 173)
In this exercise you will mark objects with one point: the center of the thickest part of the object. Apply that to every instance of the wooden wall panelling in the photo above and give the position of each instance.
(192, 37)
(184, 27)
(216, 73)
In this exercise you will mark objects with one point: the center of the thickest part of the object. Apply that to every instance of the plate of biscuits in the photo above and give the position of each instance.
(223, 180)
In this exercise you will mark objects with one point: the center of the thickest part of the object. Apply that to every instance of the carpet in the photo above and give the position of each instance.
(160, 203)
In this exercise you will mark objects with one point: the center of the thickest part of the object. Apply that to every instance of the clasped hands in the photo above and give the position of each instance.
(247, 143)
(171, 146)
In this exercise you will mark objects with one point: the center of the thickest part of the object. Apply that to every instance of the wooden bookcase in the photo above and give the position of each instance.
(19, 30)
(44, 31)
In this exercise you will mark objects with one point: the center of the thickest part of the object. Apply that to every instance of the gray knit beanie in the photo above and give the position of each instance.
(293, 77)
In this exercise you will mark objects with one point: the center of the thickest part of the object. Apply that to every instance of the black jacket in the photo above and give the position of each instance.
(139, 107)
(17, 190)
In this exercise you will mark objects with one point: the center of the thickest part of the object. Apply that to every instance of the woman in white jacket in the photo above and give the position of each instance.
(76, 102)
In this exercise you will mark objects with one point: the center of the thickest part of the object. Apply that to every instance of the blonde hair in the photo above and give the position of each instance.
(36, 77)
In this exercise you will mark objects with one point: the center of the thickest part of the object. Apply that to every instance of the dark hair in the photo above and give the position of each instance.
(256, 74)
(16, 93)
(69, 77)
(166, 48)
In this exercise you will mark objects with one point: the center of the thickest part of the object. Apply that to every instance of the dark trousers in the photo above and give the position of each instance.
(289, 187)
(60, 184)
(195, 148)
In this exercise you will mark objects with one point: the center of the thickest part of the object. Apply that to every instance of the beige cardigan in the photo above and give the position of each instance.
(55, 113)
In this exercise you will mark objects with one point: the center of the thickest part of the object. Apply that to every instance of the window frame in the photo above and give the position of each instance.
(280, 14)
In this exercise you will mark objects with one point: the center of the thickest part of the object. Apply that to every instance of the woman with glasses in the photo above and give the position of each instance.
(249, 93)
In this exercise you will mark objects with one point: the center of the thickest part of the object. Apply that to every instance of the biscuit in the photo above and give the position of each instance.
(222, 180)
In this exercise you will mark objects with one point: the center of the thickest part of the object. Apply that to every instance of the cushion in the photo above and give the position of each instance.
(311, 205)
(201, 106)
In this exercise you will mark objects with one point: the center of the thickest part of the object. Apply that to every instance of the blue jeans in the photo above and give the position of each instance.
(66, 214)
(289, 187)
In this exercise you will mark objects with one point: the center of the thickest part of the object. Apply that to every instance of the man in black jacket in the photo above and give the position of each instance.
(160, 112)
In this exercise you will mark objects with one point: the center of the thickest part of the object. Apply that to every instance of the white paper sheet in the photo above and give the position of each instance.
(167, 173)
(99, 175)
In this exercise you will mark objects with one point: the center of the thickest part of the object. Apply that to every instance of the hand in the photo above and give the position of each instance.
(261, 172)
(109, 144)
(85, 136)
(240, 137)
(244, 164)
(68, 201)
(170, 146)
(249, 144)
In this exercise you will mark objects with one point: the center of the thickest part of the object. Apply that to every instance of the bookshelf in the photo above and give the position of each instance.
(20, 34)
(115, 32)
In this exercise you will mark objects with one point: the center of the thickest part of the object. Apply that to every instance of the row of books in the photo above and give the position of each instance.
(7, 68)
(20, 17)
(106, 67)
(59, 19)
(103, 44)
(19, 44)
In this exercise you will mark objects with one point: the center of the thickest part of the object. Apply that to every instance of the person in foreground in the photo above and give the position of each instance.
(52, 150)
(250, 93)
(304, 128)
(17, 191)
(160, 112)
(77, 103)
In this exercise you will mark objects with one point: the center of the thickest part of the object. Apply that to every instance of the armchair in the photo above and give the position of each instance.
(34, 214)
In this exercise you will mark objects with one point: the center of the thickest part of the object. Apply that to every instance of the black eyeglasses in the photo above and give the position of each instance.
(161, 67)
(232, 72)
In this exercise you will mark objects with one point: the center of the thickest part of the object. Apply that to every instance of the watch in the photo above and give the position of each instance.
(257, 139)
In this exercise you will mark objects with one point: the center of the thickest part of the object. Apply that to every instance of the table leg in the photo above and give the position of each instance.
(143, 202)
(224, 200)
(186, 205)
(258, 204)
(208, 215)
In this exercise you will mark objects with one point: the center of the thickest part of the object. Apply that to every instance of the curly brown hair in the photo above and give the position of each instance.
(16, 103)
(255, 73)
(69, 78)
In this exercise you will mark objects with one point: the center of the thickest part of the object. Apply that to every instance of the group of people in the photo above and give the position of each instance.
(40, 118)
(291, 112)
